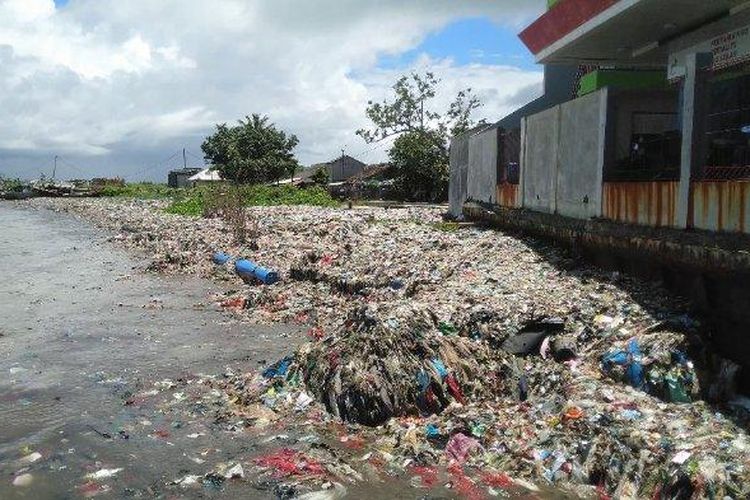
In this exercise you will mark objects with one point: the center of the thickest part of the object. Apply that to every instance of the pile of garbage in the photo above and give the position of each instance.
(392, 363)
(435, 400)
(467, 350)
(663, 370)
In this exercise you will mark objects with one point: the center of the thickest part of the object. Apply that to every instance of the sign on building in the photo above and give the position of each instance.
(728, 49)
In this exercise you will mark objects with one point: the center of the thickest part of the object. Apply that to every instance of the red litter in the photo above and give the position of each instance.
(287, 462)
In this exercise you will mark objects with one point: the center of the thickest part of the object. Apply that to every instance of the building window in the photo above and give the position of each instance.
(728, 127)
(509, 157)
(646, 140)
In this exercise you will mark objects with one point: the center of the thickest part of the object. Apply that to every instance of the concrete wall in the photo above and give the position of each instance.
(563, 158)
(459, 160)
(539, 169)
(483, 157)
(339, 170)
(581, 156)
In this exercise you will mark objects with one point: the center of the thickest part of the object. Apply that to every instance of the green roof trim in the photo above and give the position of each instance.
(551, 3)
(622, 80)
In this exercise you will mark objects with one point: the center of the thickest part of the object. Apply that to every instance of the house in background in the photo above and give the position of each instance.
(338, 170)
(181, 178)
(206, 176)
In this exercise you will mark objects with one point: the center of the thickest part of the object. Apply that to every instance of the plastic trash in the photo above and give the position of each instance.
(103, 474)
(250, 270)
(460, 447)
(220, 258)
(529, 339)
(23, 480)
(278, 369)
(631, 360)
(432, 431)
(464, 293)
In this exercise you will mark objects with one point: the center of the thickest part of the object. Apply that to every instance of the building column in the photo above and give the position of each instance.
(694, 103)
(521, 203)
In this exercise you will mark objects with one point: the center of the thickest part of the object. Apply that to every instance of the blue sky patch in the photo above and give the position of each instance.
(475, 40)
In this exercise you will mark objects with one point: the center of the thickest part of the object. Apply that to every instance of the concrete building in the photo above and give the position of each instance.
(659, 131)
(647, 164)
(181, 178)
(339, 170)
(674, 106)
(495, 155)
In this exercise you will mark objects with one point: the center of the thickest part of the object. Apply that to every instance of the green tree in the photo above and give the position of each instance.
(254, 151)
(419, 163)
(320, 177)
(419, 155)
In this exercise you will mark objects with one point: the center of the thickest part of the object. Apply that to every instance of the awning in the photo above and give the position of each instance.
(620, 32)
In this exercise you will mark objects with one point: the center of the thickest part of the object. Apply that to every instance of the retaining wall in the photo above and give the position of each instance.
(483, 157)
(459, 162)
(539, 170)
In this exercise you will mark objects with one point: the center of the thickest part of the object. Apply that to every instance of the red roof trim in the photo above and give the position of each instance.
(563, 18)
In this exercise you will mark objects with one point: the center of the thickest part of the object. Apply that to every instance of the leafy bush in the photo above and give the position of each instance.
(11, 185)
(420, 165)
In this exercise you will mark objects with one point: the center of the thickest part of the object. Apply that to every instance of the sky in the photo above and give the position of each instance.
(120, 87)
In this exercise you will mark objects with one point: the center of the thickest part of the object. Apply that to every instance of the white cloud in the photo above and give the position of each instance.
(116, 84)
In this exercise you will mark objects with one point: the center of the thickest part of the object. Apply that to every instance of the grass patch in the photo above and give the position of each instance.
(266, 196)
(202, 200)
(141, 190)
(191, 205)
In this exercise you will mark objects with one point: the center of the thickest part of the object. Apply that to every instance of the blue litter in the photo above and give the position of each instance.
(679, 357)
(424, 381)
(631, 360)
(431, 431)
(251, 270)
(440, 368)
(631, 414)
(220, 258)
(278, 369)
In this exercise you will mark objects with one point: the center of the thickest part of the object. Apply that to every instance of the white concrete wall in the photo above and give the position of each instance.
(539, 169)
(482, 175)
(563, 158)
(459, 159)
(581, 156)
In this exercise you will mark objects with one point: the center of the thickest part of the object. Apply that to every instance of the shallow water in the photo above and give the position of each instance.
(81, 330)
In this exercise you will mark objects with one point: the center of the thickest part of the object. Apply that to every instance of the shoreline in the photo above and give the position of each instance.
(484, 286)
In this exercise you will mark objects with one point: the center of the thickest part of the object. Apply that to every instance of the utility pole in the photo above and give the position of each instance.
(342, 163)
(54, 169)
(184, 159)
